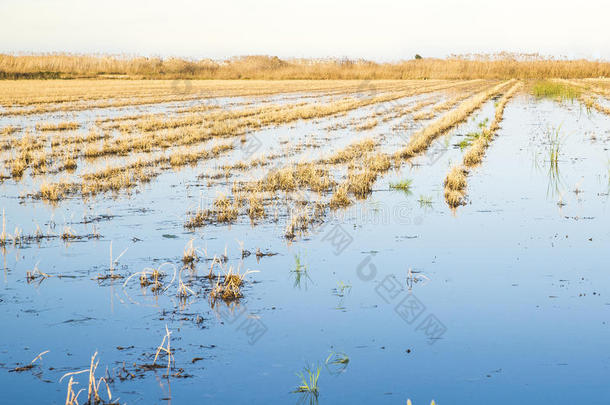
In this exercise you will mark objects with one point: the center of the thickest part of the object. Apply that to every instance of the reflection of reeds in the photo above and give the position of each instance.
(337, 362)
(424, 201)
(190, 255)
(3, 236)
(300, 273)
(608, 176)
(554, 141)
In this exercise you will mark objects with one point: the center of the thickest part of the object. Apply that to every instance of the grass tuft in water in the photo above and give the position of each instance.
(554, 90)
(300, 273)
(425, 201)
(309, 381)
(404, 185)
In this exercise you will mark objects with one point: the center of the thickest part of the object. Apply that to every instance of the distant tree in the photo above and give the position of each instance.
(418, 56)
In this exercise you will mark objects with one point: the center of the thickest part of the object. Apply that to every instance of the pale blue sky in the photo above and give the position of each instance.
(380, 30)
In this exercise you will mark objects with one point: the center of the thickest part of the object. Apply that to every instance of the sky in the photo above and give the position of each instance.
(381, 30)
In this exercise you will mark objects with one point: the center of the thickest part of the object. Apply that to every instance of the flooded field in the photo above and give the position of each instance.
(329, 242)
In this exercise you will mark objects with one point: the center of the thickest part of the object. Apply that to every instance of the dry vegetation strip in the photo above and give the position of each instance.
(177, 141)
(420, 141)
(36, 96)
(223, 124)
(500, 66)
(191, 130)
(456, 180)
(364, 166)
(587, 98)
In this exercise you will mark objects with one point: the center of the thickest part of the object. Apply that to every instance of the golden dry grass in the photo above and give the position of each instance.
(59, 126)
(420, 141)
(500, 66)
(37, 96)
(456, 181)
(455, 185)
(139, 147)
(474, 154)
(589, 93)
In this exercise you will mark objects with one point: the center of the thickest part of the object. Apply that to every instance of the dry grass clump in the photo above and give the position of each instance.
(228, 287)
(8, 130)
(198, 219)
(423, 115)
(180, 159)
(379, 162)
(300, 176)
(361, 184)
(340, 197)
(190, 255)
(68, 163)
(52, 191)
(224, 210)
(68, 234)
(455, 185)
(17, 166)
(456, 179)
(60, 126)
(116, 178)
(367, 125)
(256, 209)
(454, 198)
(299, 222)
(152, 277)
(474, 154)
(352, 151)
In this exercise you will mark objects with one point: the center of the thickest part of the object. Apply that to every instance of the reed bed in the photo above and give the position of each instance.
(498, 66)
